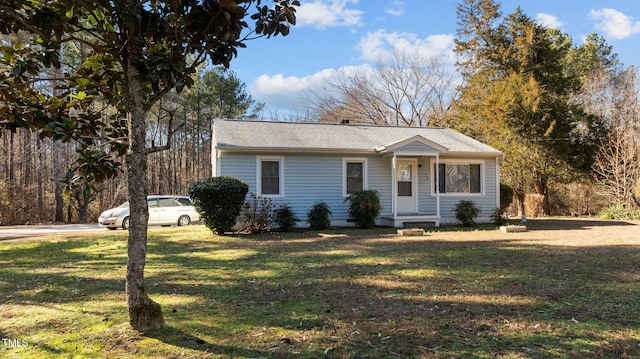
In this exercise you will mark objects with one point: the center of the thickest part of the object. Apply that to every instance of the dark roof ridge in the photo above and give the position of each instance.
(328, 124)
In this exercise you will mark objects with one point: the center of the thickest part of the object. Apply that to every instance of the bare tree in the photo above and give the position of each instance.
(614, 97)
(617, 167)
(407, 90)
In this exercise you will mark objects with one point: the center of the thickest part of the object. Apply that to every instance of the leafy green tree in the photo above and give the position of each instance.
(518, 97)
(139, 50)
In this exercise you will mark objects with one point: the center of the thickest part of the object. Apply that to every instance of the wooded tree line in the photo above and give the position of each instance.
(32, 172)
(566, 116)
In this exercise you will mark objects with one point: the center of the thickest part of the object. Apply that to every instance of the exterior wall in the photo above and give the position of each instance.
(486, 202)
(309, 178)
(426, 202)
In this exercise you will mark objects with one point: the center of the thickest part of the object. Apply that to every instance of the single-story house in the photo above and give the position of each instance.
(420, 173)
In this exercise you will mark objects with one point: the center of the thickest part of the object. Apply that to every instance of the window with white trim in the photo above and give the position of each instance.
(460, 178)
(354, 175)
(270, 176)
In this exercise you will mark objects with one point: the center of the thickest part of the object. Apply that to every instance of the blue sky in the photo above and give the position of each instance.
(337, 34)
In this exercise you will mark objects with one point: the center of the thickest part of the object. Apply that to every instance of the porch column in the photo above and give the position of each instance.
(437, 185)
(394, 187)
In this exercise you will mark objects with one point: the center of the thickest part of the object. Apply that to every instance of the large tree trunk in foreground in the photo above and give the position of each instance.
(144, 314)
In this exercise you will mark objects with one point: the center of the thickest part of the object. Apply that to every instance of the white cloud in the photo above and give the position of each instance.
(381, 45)
(396, 8)
(287, 92)
(293, 92)
(615, 23)
(550, 21)
(328, 13)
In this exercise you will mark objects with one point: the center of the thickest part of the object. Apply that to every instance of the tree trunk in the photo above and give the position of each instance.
(58, 160)
(144, 314)
(542, 188)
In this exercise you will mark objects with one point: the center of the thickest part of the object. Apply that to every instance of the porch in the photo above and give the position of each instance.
(410, 220)
(415, 194)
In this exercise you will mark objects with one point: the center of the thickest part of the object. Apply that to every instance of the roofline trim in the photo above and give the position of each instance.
(351, 151)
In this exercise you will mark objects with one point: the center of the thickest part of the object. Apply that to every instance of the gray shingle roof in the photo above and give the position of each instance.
(301, 137)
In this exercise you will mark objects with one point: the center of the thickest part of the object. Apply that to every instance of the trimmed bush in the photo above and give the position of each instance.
(285, 218)
(219, 201)
(364, 207)
(466, 212)
(318, 216)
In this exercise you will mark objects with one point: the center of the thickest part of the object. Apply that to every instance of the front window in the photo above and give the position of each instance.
(460, 178)
(270, 176)
(354, 175)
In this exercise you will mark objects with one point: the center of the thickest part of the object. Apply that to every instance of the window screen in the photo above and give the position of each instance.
(459, 178)
(270, 177)
(355, 177)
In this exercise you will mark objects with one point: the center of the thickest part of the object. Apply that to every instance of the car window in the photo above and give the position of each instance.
(184, 201)
(152, 203)
(168, 202)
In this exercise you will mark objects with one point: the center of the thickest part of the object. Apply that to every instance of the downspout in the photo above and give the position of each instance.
(498, 160)
(394, 185)
(437, 179)
(214, 151)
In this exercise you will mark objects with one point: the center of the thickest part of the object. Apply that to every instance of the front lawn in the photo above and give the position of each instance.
(565, 289)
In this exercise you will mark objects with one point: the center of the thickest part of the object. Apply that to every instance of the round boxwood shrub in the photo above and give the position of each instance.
(219, 201)
(466, 212)
(318, 216)
(364, 207)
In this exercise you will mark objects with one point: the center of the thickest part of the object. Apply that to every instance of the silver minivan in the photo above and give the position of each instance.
(164, 210)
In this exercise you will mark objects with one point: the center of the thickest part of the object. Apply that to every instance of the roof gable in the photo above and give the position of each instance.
(416, 144)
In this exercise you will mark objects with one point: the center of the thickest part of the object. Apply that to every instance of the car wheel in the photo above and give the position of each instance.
(184, 221)
(125, 223)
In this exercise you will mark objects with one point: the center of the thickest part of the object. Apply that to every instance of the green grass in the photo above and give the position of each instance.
(359, 293)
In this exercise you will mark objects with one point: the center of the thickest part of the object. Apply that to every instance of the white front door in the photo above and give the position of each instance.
(407, 186)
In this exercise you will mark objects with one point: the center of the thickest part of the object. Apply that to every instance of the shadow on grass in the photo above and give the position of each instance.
(571, 224)
(367, 294)
(408, 298)
(178, 338)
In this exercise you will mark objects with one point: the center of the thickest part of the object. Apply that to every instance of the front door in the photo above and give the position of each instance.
(407, 186)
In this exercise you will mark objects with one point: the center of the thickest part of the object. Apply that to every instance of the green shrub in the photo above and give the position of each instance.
(364, 207)
(499, 217)
(256, 215)
(285, 218)
(506, 195)
(318, 216)
(619, 213)
(466, 212)
(219, 201)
